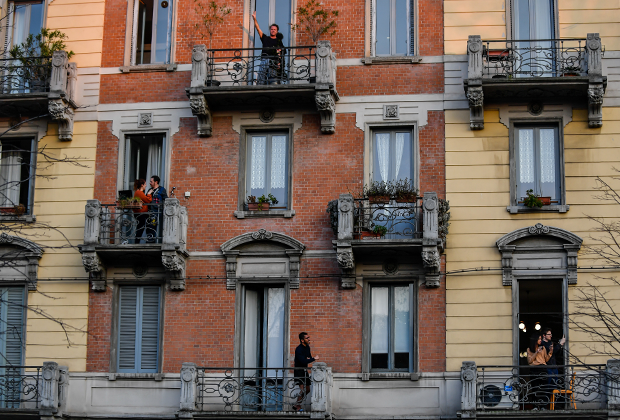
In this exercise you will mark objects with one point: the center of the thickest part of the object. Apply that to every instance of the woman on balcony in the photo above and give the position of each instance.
(537, 358)
(139, 186)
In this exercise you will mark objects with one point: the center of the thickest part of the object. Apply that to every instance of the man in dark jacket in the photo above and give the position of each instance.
(303, 357)
(155, 221)
(270, 70)
(552, 372)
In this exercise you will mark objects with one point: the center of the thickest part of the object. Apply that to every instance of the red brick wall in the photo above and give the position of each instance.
(99, 331)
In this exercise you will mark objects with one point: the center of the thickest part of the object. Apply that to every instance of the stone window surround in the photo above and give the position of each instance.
(369, 31)
(127, 64)
(31, 253)
(115, 285)
(121, 153)
(241, 213)
(513, 207)
(366, 326)
(369, 131)
(568, 247)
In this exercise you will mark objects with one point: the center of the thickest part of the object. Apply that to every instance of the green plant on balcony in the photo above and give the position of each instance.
(379, 230)
(532, 200)
(129, 203)
(31, 63)
(261, 203)
(404, 191)
(315, 20)
(379, 192)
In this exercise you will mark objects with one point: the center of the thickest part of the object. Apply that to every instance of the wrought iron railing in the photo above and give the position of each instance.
(26, 75)
(388, 219)
(248, 66)
(253, 389)
(573, 387)
(124, 226)
(534, 58)
(19, 387)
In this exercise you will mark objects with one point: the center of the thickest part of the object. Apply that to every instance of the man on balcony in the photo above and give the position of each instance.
(303, 358)
(270, 70)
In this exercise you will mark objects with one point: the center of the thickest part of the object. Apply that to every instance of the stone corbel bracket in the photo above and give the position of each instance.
(61, 106)
(598, 83)
(469, 376)
(431, 243)
(197, 101)
(474, 92)
(173, 243)
(92, 264)
(344, 251)
(189, 390)
(326, 94)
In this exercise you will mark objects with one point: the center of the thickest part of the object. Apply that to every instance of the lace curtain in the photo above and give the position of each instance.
(278, 162)
(259, 149)
(10, 169)
(547, 156)
(526, 156)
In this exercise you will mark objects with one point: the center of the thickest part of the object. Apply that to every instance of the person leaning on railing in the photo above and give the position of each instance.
(139, 186)
(270, 69)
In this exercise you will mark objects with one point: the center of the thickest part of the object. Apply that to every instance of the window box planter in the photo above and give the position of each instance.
(407, 198)
(379, 199)
(258, 206)
(14, 210)
(365, 235)
(129, 206)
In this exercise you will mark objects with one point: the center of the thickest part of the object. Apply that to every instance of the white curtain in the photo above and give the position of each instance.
(250, 334)
(278, 162)
(402, 329)
(547, 155)
(400, 146)
(541, 12)
(275, 329)
(259, 150)
(129, 171)
(153, 164)
(379, 324)
(10, 169)
(383, 154)
(526, 156)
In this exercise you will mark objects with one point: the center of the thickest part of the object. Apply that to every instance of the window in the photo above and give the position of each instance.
(138, 329)
(268, 168)
(17, 165)
(273, 11)
(393, 156)
(393, 27)
(538, 162)
(144, 157)
(533, 20)
(12, 343)
(26, 19)
(391, 328)
(152, 31)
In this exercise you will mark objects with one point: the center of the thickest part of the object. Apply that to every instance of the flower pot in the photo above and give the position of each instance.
(131, 206)
(546, 201)
(379, 199)
(369, 235)
(406, 198)
(258, 206)
(15, 210)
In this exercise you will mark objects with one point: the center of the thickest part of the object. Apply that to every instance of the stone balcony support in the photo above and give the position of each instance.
(431, 256)
(50, 376)
(61, 106)
(482, 85)
(197, 101)
(172, 249)
(321, 391)
(613, 388)
(189, 390)
(469, 375)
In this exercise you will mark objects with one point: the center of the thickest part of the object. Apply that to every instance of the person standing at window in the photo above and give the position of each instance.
(303, 357)
(139, 186)
(158, 194)
(270, 69)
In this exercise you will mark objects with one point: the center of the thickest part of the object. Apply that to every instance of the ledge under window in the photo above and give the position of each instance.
(554, 208)
(409, 59)
(24, 218)
(147, 68)
(242, 214)
(413, 376)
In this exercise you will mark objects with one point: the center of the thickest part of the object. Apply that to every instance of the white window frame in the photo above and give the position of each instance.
(372, 128)
(131, 35)
(412, 45)
(33, 167)
(8, 26)
(122, 159)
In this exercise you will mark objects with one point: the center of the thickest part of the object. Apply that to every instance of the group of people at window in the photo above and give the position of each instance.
(149, 216)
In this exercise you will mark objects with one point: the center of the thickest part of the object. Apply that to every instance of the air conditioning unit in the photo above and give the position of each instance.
(498, 395)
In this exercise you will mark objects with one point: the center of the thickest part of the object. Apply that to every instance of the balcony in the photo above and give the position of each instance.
(255, 392)
(116, 236)
(242, 79)
(577, 392)
(33, 391)
(409, 231)
(34, 86)
(535, 71)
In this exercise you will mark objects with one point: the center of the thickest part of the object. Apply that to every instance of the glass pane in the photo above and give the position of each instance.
(250, 333)
(403, 167)
(521, 12)
(145, 32)
(549, 186)
(542, 25)
(146, 158)
(162, 31)
(402, 328)
(401, 27)
(379, 330)
(279, 171)
(382, 44)
(283, 17)
(275, 329)
(20, 26)
(36, 18)
(381, 157)
(262, 17)
(258, 165)
(525, 166)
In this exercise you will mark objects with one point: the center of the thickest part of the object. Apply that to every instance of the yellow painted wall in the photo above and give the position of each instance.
(488, 19)
(479, 308)
(82, 22)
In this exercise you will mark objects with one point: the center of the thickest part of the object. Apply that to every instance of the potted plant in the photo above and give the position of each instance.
(535, 200)
(378, 192)
(129, 203)
(212, 15)
(32, 66)
(16, 210)
(261, 203)
(405, 191)
(571, 71)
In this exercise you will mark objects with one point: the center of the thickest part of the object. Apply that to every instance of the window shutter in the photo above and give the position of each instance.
(128, 313)
(14, 299)
(412, 27)
(150, 329)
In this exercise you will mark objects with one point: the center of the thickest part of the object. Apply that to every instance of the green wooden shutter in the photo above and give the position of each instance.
(138, 339)
(14, 340)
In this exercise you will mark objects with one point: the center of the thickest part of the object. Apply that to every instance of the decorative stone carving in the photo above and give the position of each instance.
(475, 96)
(596, 91)
(345, 259)
(199, 66)
(92, 223)
(145, 119)
(507, 268)
(63, 387)
(321, 390)
(6, 239)
(189, 391)
(62, 113)
(49, 388)
(432, 243)
(474, 57)
(262, 234)
(201, 110)
(172, 262)
(266, 115)
(538, 229)
(431, 258)
(59, 76)
(60, 107)
(391, 112)
(469, 376)
(594, 54)
(327, 108)
(345, 216)
(91, 262)
(613, 384)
